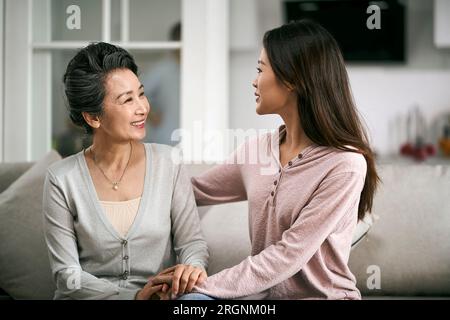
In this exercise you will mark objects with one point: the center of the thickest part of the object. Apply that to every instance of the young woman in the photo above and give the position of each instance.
(120, 211)
(302, 214)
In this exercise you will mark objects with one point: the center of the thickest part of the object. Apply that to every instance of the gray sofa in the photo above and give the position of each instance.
(405, 254)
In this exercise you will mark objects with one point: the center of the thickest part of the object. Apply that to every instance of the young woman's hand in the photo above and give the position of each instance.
(149, 291)
(156, 291)
(183, 278)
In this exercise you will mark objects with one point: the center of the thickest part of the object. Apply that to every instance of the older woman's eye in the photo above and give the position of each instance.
(128, 100)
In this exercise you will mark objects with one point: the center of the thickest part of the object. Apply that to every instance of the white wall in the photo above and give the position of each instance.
(383, 93)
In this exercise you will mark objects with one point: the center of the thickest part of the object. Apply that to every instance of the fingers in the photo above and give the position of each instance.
(165, 295)
(178, 279)
(162, 279)
(193, 280)
(155, 288)
(168, 270)
(184, 277)
(202, 277)
(147, 292)
(177, 274)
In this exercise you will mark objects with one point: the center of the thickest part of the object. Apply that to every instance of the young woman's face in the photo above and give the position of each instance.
(125, 106)
(271, 95)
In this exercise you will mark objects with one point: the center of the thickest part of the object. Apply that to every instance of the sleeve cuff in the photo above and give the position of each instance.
(127, 294)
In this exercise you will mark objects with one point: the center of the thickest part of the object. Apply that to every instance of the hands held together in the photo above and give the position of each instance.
(171, 282)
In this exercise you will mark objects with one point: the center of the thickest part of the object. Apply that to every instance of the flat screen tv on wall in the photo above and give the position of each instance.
(347, 21)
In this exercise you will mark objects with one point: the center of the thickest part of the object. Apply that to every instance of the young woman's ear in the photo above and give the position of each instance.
(92, 120)
(290, 87)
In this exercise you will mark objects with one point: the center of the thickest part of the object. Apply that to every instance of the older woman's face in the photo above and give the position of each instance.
(125, 106)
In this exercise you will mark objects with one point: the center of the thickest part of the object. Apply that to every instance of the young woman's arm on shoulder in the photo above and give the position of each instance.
(332, 200)
(221, 184)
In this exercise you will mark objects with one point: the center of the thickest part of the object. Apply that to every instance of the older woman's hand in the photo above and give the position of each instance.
(149, 291)
(156, 291)
(183, 278)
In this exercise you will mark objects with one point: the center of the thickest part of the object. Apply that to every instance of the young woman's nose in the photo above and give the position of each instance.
(254, 84)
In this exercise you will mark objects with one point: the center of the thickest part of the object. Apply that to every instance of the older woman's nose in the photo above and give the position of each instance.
(143, 107)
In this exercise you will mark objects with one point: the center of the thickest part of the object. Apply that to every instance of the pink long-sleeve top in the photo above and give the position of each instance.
(301, 219)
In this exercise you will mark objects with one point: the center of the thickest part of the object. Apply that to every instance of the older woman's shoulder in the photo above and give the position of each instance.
(164, 153)
(65, 166)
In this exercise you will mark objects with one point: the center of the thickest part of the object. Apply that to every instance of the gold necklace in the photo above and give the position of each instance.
(115, 185)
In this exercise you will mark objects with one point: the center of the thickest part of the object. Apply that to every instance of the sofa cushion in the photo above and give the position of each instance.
(24, 264)
(406, 252)
(225, 228)
(9, 172)
(361, 230)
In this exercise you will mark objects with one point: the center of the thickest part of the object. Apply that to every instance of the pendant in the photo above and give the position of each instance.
(115, 186)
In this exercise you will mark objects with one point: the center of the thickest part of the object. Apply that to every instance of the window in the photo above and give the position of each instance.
(158, 62)
(38, 47)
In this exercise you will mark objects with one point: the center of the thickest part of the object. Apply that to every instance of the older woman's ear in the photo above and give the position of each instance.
(91, 120)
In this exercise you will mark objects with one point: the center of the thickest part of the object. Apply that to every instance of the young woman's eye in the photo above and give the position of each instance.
(259, 70)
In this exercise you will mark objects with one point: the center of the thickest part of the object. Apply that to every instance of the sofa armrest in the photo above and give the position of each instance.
(9, 172)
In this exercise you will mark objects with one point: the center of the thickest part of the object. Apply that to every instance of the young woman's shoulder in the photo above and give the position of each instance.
(348, 161)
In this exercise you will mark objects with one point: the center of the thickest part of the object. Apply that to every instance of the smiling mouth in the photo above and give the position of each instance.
(138, 123)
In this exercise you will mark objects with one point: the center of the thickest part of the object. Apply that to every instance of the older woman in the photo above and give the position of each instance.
(119, 211)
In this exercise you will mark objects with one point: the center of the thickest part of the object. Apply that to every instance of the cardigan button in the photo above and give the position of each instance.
(125, 258)
(272, 193)
(124, 242)
(275, 182)
(300, 156)
(290, 163)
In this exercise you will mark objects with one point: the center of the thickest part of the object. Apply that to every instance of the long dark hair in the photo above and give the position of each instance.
(306, 57)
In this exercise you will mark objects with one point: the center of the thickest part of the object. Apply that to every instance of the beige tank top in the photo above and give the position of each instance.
(121, 214)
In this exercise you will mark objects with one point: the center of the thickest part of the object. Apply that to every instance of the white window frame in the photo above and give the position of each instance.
(27, 70)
